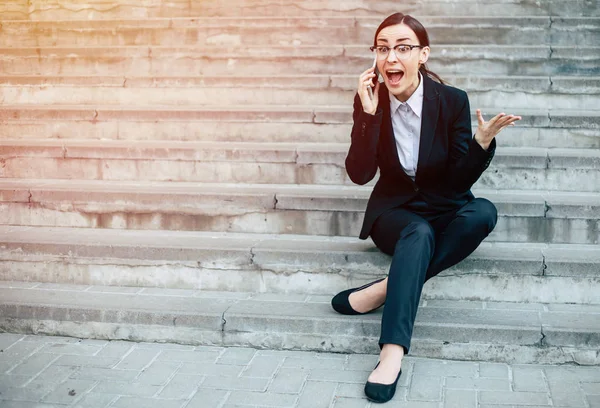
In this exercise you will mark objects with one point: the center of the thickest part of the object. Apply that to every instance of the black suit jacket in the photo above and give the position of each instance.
(450, 160)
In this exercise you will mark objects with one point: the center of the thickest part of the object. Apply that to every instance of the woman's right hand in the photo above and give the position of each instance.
(365, 82)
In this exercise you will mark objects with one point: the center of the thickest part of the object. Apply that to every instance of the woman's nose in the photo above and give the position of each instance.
(392, 57)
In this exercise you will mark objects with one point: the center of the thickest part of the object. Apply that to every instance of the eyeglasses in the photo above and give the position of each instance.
(402, 51)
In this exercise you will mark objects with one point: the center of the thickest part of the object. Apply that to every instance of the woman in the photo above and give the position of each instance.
(417, 132)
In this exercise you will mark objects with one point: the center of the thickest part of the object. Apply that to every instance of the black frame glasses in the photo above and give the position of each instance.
(382, 55)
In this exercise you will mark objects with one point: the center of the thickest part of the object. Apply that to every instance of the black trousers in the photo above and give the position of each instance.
(422, 244)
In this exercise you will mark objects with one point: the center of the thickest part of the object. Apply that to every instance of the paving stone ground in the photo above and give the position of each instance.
(44, 371)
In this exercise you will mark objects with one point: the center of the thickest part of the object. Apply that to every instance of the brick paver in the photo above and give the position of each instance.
(44, 372)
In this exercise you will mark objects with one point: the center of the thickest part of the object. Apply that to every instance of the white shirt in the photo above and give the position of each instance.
(406, 122)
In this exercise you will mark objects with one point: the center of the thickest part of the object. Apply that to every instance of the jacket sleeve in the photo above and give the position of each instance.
(467, 159)
(361, 161)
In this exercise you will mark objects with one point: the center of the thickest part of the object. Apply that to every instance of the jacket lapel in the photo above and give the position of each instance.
(431, 105)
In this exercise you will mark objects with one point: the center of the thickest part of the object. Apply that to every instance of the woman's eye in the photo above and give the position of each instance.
(403, 48)
(383, 49)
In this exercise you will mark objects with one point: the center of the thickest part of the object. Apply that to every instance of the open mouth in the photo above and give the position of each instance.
(394, 76)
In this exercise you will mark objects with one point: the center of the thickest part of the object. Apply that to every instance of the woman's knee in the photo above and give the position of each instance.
(486, 213)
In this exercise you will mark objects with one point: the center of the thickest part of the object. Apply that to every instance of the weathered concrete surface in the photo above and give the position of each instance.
(101, 9)
(277, 163)
(226, 128)
(516, 272)
(228, 31)
(215, 94)
(245, 124)
(348, 59)
(301, 322)
(524, 216)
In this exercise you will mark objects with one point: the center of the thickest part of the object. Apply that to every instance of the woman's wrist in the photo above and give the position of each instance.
(372, 112)
(484, 143)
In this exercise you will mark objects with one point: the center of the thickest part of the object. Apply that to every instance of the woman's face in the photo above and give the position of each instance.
(400, 75)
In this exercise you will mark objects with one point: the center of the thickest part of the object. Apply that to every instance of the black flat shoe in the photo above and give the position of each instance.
(341, 301)
(381, 392)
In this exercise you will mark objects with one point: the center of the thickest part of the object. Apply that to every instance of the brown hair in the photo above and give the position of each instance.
(419, 30)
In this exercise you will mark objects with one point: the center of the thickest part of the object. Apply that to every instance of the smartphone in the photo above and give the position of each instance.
(375, 79)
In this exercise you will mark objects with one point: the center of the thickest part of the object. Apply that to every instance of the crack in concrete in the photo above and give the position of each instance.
(292, 272)
(543, 338)
(572, 358)
(61, 258)
(223, 319)
(544, 265)
(275, 201)
(252, 255)
(547, 208)
(110, 7)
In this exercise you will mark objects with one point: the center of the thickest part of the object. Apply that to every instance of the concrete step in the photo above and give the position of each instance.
(337, 59)
(496, 271)
(273, 124)
(313, 90)
(489, 331)
(49, 10)
(250, 31)
(568, 132)
(524, 216)
(279, 163)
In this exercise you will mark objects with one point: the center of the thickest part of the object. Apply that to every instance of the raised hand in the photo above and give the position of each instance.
(369, 100)
(487, 131)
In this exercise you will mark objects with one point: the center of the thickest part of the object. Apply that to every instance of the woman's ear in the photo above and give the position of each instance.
(424, 55)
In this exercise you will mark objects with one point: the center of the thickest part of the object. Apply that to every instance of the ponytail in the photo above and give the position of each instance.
(425, 71)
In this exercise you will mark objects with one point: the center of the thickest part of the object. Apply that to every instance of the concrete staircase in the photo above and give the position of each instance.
(173, 171)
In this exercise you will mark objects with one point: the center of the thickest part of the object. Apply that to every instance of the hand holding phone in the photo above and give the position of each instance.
(368, 89)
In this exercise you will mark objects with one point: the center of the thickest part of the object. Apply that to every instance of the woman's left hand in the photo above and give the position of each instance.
(487, 131)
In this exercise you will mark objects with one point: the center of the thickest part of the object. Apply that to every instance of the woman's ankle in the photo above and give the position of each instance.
(390, 364)
(394, 351)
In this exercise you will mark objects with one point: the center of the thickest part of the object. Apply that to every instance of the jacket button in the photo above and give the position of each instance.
(364, 125)
(416, 189)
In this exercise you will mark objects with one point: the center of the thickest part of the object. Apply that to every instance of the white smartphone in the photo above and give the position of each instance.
(376, 79)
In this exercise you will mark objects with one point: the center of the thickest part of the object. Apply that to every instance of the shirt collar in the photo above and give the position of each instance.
(415, 101)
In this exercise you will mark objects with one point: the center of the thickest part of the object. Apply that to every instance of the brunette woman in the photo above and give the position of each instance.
(417, 132)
